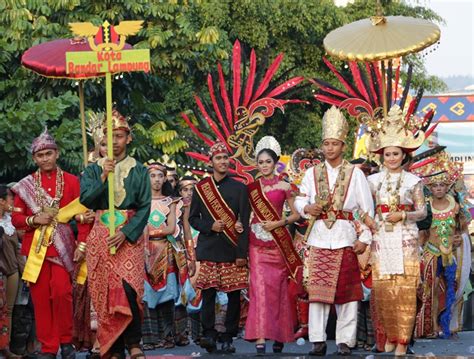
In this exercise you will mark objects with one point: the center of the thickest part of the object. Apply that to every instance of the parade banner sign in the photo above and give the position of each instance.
(108, 56)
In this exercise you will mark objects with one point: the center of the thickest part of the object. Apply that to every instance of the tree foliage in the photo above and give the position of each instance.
(187, 38)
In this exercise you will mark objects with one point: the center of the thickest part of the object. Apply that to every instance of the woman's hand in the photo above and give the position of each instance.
(394, 217)
(270, 225)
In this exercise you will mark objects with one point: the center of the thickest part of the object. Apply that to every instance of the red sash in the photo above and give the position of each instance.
(219, 210)
(264, 211)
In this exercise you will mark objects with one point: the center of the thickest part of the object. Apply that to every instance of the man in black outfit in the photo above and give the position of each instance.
(220, 212)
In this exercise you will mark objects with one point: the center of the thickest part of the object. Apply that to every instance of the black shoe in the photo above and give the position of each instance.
(278, 347)
(319, 349)
(42, 355)
(260, 348)
(208, 343)
(410, 350)
(343, 349)
(228, 348)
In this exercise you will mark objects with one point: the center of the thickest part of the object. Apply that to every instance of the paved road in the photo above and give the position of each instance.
(461, 347)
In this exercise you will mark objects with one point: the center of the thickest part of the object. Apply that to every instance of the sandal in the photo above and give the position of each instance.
(94, 353)
(147, 347)
(140, 354)
(278, 347)
(260, 348)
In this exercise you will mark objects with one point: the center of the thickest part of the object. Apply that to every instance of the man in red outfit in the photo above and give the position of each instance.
(46, 201)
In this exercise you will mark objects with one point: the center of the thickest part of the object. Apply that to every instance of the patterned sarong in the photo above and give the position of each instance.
(225, 276)
(334, 276)
(105, 275)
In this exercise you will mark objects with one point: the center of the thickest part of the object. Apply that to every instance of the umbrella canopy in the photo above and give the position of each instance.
(49, 58)
(381, 38)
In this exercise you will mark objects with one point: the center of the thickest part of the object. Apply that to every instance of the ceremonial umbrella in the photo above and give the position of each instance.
(49, 60)
(381, 38)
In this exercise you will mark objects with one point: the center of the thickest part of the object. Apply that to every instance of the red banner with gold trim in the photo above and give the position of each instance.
(217, 207)
(264, 211)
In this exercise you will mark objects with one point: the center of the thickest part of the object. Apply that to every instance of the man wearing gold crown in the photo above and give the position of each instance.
(46, 201)
(116, 280)
(218, 204)
(439, 263)
(330, 193)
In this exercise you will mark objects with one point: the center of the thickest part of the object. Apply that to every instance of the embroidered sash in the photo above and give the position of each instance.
(219, 210)
(264, 211)
(337, 196)
(35, 260)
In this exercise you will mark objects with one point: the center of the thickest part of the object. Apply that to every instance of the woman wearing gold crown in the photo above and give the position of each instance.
(439, 262)
(399, 205)
(271, 252)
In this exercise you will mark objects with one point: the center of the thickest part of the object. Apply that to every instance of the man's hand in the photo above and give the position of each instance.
(359, 247)
(79, 255)
(313, 209)
(239, 227)
(43, 219)
(116, 240)
(191, 268)
(109, 166)
(394, 217)
(218, 226)
(241, 262)
(89, 216)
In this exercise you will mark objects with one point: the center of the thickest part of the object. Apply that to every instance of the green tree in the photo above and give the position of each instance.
(187, 38)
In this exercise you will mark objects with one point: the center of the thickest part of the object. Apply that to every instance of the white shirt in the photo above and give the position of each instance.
(343, 233)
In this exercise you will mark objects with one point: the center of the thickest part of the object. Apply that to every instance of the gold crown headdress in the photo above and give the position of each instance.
(440, 169)
(119, 122)
(268, 142)
(394, 131)
(335, 125)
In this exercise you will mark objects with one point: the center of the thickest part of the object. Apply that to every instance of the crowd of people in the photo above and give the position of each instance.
(383, 246)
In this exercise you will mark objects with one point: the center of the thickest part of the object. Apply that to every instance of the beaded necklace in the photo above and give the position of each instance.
(394, 197)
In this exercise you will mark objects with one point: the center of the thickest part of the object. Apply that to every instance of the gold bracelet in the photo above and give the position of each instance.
(404, 217)
(82, 246)
(81, 218)
(30, 221)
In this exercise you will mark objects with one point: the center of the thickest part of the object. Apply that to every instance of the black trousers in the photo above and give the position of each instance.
(132, 335)
(208, 314)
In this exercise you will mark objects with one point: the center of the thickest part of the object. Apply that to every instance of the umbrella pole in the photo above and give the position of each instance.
(110, 155)
(83, 122)
(384, 89)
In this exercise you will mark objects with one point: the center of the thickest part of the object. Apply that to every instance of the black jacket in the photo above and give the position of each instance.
(213, 246)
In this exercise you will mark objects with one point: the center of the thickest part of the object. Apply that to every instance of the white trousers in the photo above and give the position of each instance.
(346, 326)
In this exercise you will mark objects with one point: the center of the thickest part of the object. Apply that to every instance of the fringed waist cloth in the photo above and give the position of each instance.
(334, 276)
(106, 274)
(223, 276)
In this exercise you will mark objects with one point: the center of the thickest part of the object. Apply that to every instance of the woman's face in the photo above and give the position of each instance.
(265, 164)
(393, 157)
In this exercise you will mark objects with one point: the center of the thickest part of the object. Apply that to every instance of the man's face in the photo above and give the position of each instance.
(121, 139)
(332, 148)
(220, 163)
(172, 180)
(187, 192)
(46, 159)
(439, 189)
(157, 178)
